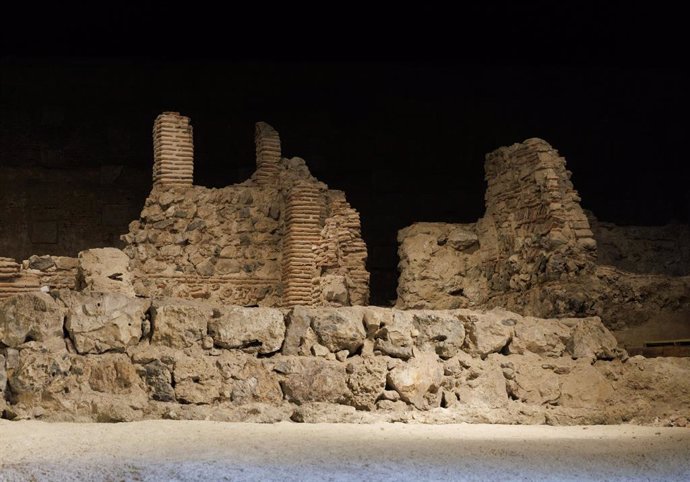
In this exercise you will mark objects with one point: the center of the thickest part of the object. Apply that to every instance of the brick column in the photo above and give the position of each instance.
(173, 150)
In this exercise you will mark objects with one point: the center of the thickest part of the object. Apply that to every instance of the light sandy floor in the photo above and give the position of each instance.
(176, 450)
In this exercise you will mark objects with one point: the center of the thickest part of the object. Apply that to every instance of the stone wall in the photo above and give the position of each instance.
(534, 252)
(80, 356)
(280, 238)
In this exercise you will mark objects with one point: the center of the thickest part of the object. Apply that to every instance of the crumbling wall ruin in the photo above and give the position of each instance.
(109, 357)
(534, 252)
(281, 238)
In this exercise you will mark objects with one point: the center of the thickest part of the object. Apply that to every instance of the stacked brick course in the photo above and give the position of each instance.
(173, 150)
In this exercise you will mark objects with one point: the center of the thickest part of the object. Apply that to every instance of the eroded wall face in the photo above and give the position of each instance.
(534, 229)
(534, 253)
(533, 232)
(281, 238)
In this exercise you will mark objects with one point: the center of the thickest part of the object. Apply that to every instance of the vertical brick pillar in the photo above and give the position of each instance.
(302, 232)
(267, 153)
(173, 150)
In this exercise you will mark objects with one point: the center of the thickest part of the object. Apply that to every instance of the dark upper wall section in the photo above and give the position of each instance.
(406, 142)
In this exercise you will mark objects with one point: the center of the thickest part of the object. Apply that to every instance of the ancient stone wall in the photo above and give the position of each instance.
(110, 357)
(533, 252)
(261, 242)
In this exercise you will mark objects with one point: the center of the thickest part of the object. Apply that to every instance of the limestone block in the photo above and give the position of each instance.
(254, 330)
(487, 332)
(395, 338)
(105, 270)
(585, 387)
(544, 337)
(339, 328)
(414, 379)
(197, 380)
(315, 380)
(591, 339)
(247, 380)
(31, 316)
(179, 323)
(158, 378)
(98, 323)
(366, 381)
(437, 331)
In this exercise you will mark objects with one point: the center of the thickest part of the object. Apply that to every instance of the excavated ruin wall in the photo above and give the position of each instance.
(281, 238)
(533, 253)
(83, 356)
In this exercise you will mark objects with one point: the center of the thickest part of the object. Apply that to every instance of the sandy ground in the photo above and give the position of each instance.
(177, 450)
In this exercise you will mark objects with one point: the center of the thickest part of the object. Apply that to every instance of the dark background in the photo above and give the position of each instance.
(395, 107)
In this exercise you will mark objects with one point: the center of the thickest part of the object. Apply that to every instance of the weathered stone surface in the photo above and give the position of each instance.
(481, 383)
(366, 381)
(532, 381)
(438, 331)
(112, 373)
(158, 378)
(590, 339)
(542, 337)
(105, 270)
(197, 380)
(254, 330)
(339, 329)
(179, 323)
(298, 323)
(585, 387)
(39, 377)
(487, 332)
(247, 380)
(98, 323)
(419, 376)
(31, 316)
(314, 380)
(394, 338)
(3, 376)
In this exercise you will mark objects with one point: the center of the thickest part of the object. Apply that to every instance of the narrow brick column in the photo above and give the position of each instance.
(173, 150)
(302, 232)
(267, 153)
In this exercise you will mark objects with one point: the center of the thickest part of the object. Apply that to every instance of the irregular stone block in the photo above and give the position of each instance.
(540, 336)
(585, 387)
(414, 379)
(395, 337)
(30, 316)
(591, 339)
(179, 323)
(487, 332)
(247, 380)
(112, 373)
(438, 331)
(38, 376)
(298, 323)
(197, 380)
(366, 381)
(104, 270)
(3, 376)
(254, 330)
(98, 323)
(158, 378)
(338, 328)
(315, 380)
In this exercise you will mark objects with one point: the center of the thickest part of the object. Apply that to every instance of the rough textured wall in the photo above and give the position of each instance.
(279, 238)
(63, 211)
(534, 225)
(533, 253)
(533, 231)
(80, 356)
(643, 249)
